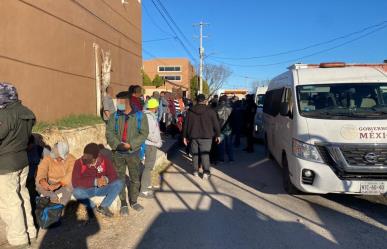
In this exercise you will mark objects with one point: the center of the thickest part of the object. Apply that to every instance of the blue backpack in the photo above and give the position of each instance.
(139, 116)
(47, 213)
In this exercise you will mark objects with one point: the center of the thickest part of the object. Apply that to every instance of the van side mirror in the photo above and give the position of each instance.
(285, 110)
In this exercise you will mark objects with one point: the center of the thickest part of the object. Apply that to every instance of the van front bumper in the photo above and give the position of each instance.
(325, 180)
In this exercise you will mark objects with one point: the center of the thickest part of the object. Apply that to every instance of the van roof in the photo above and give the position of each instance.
(356, 73)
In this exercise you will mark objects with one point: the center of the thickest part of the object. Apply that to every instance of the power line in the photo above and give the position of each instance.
(160, 39)
(309, 55)
(307, 47)
(172, 29)
(174, 23)
(153, 21)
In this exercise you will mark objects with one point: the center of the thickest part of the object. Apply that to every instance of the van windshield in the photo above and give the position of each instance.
(343, 101)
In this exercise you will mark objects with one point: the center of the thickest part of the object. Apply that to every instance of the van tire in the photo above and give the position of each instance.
(287, 183)
(268, 152)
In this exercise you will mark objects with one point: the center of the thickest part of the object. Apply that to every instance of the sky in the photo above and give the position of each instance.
(256, 28)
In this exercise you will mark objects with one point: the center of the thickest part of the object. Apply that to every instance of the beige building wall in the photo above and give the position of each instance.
(46, 51)
(151, 68)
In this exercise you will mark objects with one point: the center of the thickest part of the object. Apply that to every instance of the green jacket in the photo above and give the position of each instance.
(135, 137)
(16, 122)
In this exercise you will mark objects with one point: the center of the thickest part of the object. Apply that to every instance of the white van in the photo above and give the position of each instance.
(326, 125)
(258, 119)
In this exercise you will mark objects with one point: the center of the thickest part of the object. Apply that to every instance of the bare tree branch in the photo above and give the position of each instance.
(216, 76)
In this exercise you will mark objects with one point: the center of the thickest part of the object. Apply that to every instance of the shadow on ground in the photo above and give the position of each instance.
(241, 225)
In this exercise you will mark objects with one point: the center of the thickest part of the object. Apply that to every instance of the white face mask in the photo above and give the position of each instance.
(61, 149)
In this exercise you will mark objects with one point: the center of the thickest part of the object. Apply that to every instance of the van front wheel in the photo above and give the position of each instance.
(287, 183)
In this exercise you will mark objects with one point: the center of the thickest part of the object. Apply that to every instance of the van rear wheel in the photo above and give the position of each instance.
(287, 183)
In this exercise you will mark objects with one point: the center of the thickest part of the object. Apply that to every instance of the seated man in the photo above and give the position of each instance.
(94, 175)
(53, 178)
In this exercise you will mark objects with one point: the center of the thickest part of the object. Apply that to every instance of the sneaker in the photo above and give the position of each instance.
(104, 211)
(124, 211)
(137, 207)
(196, 174)
(147, 195)
(206, 176)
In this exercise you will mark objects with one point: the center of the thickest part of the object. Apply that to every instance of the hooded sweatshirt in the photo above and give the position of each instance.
(154, 137)
(201, 123)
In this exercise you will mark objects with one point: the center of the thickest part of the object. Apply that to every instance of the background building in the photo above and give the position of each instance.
(178, 72)
(240, 93)
(47, 51)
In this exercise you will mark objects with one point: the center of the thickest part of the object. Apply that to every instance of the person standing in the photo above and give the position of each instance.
(153, 142)
(108, 104)
(200, 127)
(250, 111)
(126, 132)
(16, 122)
(135, 93)
(225, 116)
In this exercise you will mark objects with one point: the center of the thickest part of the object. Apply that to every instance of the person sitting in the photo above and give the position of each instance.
(53, 177)
(94, 175)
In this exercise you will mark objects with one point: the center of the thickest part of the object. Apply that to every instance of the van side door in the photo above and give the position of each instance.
(285, 121)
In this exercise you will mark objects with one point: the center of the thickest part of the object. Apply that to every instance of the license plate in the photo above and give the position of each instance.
(374, 188)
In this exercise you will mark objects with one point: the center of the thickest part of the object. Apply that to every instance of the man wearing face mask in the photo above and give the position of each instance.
(94, 175)
(53, 178)
(126, 132)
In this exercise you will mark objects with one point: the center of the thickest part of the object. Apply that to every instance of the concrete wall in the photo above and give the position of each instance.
(150, 67)
(46, 51)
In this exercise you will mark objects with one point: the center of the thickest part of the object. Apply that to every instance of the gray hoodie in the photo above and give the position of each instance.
(154, 137)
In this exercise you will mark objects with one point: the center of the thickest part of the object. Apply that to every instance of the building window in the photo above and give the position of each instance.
(169, 69)
(172, 77)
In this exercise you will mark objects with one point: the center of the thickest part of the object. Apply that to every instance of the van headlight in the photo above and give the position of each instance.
(306, 151)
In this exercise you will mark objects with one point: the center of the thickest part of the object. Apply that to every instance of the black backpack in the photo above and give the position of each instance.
(47, 213)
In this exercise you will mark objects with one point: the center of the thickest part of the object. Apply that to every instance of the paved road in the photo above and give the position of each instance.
(241, 206)
(244, 206)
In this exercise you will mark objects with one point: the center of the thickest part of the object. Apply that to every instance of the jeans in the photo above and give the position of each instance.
(226, 146)
(15, 207)
(110, 192)
(201, 148)
(150, 160)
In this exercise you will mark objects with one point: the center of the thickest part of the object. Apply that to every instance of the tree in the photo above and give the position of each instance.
(255, 84)
(158, 81)
(146, 80)
(215, 76)
(194, 87)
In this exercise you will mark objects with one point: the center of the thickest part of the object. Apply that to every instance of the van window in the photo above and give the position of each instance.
(343, 101)
(287, 97)
(273, 102)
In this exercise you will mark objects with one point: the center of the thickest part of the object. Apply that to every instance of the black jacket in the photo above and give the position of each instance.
(16, 123)
(201, 122)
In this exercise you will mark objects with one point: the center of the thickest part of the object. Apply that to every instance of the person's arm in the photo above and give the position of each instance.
(215, 123)
(4, 127)
(80, 180)
(111, 136)
(42, 173)
(185, 125)
(141, 135)
(152, 136)
(66, 180)
(111, 173)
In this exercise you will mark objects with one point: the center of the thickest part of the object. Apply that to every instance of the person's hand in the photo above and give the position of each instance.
(217, 140)
(185, 141)
(44, 184)
(54, 187)
(101, 182)
(123, 147)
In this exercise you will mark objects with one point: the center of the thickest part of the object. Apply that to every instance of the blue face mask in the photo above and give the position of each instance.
(121, 107)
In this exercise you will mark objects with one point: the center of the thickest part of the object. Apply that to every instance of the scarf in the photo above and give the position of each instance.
(8, 94)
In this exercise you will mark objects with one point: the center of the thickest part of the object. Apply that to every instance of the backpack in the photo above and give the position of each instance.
(47, 213)
(139, 116)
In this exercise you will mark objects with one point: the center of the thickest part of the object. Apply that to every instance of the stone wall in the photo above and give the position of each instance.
(77, 138)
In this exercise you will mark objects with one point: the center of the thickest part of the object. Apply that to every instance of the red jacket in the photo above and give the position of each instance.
(85, 176)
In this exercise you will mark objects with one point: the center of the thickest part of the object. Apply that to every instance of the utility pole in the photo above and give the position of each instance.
(201, 55)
